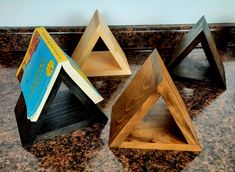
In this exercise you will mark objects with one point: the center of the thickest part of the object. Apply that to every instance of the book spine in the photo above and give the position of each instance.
(54, 48)
(32, 46)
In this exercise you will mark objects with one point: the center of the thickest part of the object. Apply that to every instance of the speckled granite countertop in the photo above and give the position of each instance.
(211, 109)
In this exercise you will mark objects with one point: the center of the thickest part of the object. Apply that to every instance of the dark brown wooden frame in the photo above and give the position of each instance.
(199, 33)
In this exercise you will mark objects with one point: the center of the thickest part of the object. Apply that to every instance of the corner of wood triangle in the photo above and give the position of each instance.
(100, 63)
(127, 128)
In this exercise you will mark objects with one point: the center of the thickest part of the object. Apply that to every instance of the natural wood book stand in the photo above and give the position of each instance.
(100, 63)
(199, 33)
(131, 127)
(71, 109)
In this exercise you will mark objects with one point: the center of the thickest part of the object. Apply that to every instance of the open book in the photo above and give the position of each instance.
(40, 69)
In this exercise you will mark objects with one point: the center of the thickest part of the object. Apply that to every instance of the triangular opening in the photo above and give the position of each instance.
(100, 59)
(158, 126)
(66, 109)
(195, 67)
(100, 45)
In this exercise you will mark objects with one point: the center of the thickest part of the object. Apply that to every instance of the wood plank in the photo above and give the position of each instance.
(134, 102)
(176, 106)
(158, 126)
(87, 42)
(186, 44)
(160, 146)
(212, 55)
(101, 60)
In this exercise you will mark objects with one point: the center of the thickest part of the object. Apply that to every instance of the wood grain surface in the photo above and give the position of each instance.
(105, 63)
(166, 126)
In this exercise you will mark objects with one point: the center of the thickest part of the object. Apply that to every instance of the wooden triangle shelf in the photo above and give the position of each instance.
(100, 63)
(129, 127)
(65, 111)
(199, 33)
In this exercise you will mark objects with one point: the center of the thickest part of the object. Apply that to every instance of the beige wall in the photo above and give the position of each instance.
(119, 12)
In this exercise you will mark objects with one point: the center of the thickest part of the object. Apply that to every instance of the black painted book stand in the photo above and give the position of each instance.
(200, 33)
(68, 110)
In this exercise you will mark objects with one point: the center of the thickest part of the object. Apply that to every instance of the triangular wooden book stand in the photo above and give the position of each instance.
(129, 126)
(71, 109)
(200, 33)
(100, 63)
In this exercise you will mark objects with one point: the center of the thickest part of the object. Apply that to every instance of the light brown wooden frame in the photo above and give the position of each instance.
(151, 82)
(100, 63)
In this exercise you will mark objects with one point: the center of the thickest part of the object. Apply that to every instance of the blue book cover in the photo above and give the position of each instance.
(37, 74)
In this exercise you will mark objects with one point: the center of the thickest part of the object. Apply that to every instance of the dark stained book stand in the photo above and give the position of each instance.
(67, 108)
(138, 123)
(200, 33)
